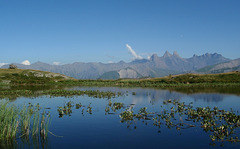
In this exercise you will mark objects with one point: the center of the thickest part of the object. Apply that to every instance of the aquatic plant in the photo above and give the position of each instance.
(107, 109)
(22, 123)
(58, 93)
(117, 105)
(110, 103)
(44, 125)
(9, 121)
(66, 109)
(89, 109)
(78, 105)
(126, 115)
(220, 123)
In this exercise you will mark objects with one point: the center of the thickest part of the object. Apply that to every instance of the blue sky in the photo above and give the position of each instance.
(68, 31)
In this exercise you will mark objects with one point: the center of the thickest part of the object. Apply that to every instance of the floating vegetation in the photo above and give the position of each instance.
(220, 123)
(67, 109)
(78, 105)
(110, 103)
(117, 105)
(107, 109)
(23, 123)
(113, 106)
(89, 109)
(126, 115)
(57, 93)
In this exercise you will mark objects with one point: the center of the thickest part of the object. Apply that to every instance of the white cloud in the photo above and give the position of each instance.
(133, 53)
(109, 62)
(26, 62)
(1, 64)
(56, 63)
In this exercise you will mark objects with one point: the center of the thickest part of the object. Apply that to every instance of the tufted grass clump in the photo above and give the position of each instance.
(9, 121)
(22, 123)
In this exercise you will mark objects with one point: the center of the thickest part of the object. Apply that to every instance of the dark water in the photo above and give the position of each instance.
(101, 130)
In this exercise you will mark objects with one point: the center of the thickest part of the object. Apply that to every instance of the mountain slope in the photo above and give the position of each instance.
(154, 67)
(122, 73)
(233, 65)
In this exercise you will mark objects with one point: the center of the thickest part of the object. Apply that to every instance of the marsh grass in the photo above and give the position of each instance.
(8, 121)
(24, 123)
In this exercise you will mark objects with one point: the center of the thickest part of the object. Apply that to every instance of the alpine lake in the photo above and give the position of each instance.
(114, 117)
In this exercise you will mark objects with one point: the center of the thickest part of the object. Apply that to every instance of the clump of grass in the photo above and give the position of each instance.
(44, 125)
(9, 121)
(22, 123)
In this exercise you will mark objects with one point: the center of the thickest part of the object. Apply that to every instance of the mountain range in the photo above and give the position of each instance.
(155, 66)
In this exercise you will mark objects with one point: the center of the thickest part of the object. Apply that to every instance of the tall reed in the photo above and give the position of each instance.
(8, 121)
(23, 123)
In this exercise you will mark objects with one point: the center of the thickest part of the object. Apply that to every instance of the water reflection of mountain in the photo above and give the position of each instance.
(158, 95)
(142, 94)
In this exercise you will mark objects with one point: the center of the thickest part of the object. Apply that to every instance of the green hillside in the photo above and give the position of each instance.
(27, 76)
(223, 79)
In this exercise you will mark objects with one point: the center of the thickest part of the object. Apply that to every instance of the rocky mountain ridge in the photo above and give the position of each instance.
(155, 66)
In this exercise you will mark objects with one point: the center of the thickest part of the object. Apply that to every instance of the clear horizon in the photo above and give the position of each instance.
(63, 32)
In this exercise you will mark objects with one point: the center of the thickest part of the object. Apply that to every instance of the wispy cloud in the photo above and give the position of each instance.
(1, 64)
(110, 62)
(56, 63)
(26, 62)
(133, 53)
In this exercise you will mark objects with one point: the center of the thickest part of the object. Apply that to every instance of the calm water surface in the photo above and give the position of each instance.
(101, 130)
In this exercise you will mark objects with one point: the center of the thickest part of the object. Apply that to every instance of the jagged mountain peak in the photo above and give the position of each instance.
(176, 54)
(167, 54)
(154, 57)
(155, 66)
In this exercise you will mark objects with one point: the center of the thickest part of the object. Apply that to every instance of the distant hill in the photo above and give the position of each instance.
(27, 76)
(123, 73)
(155, 66)
(233, 65)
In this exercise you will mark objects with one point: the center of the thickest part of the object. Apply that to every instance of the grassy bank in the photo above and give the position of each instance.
(185, 80)
(33, 77)
(27, 77)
